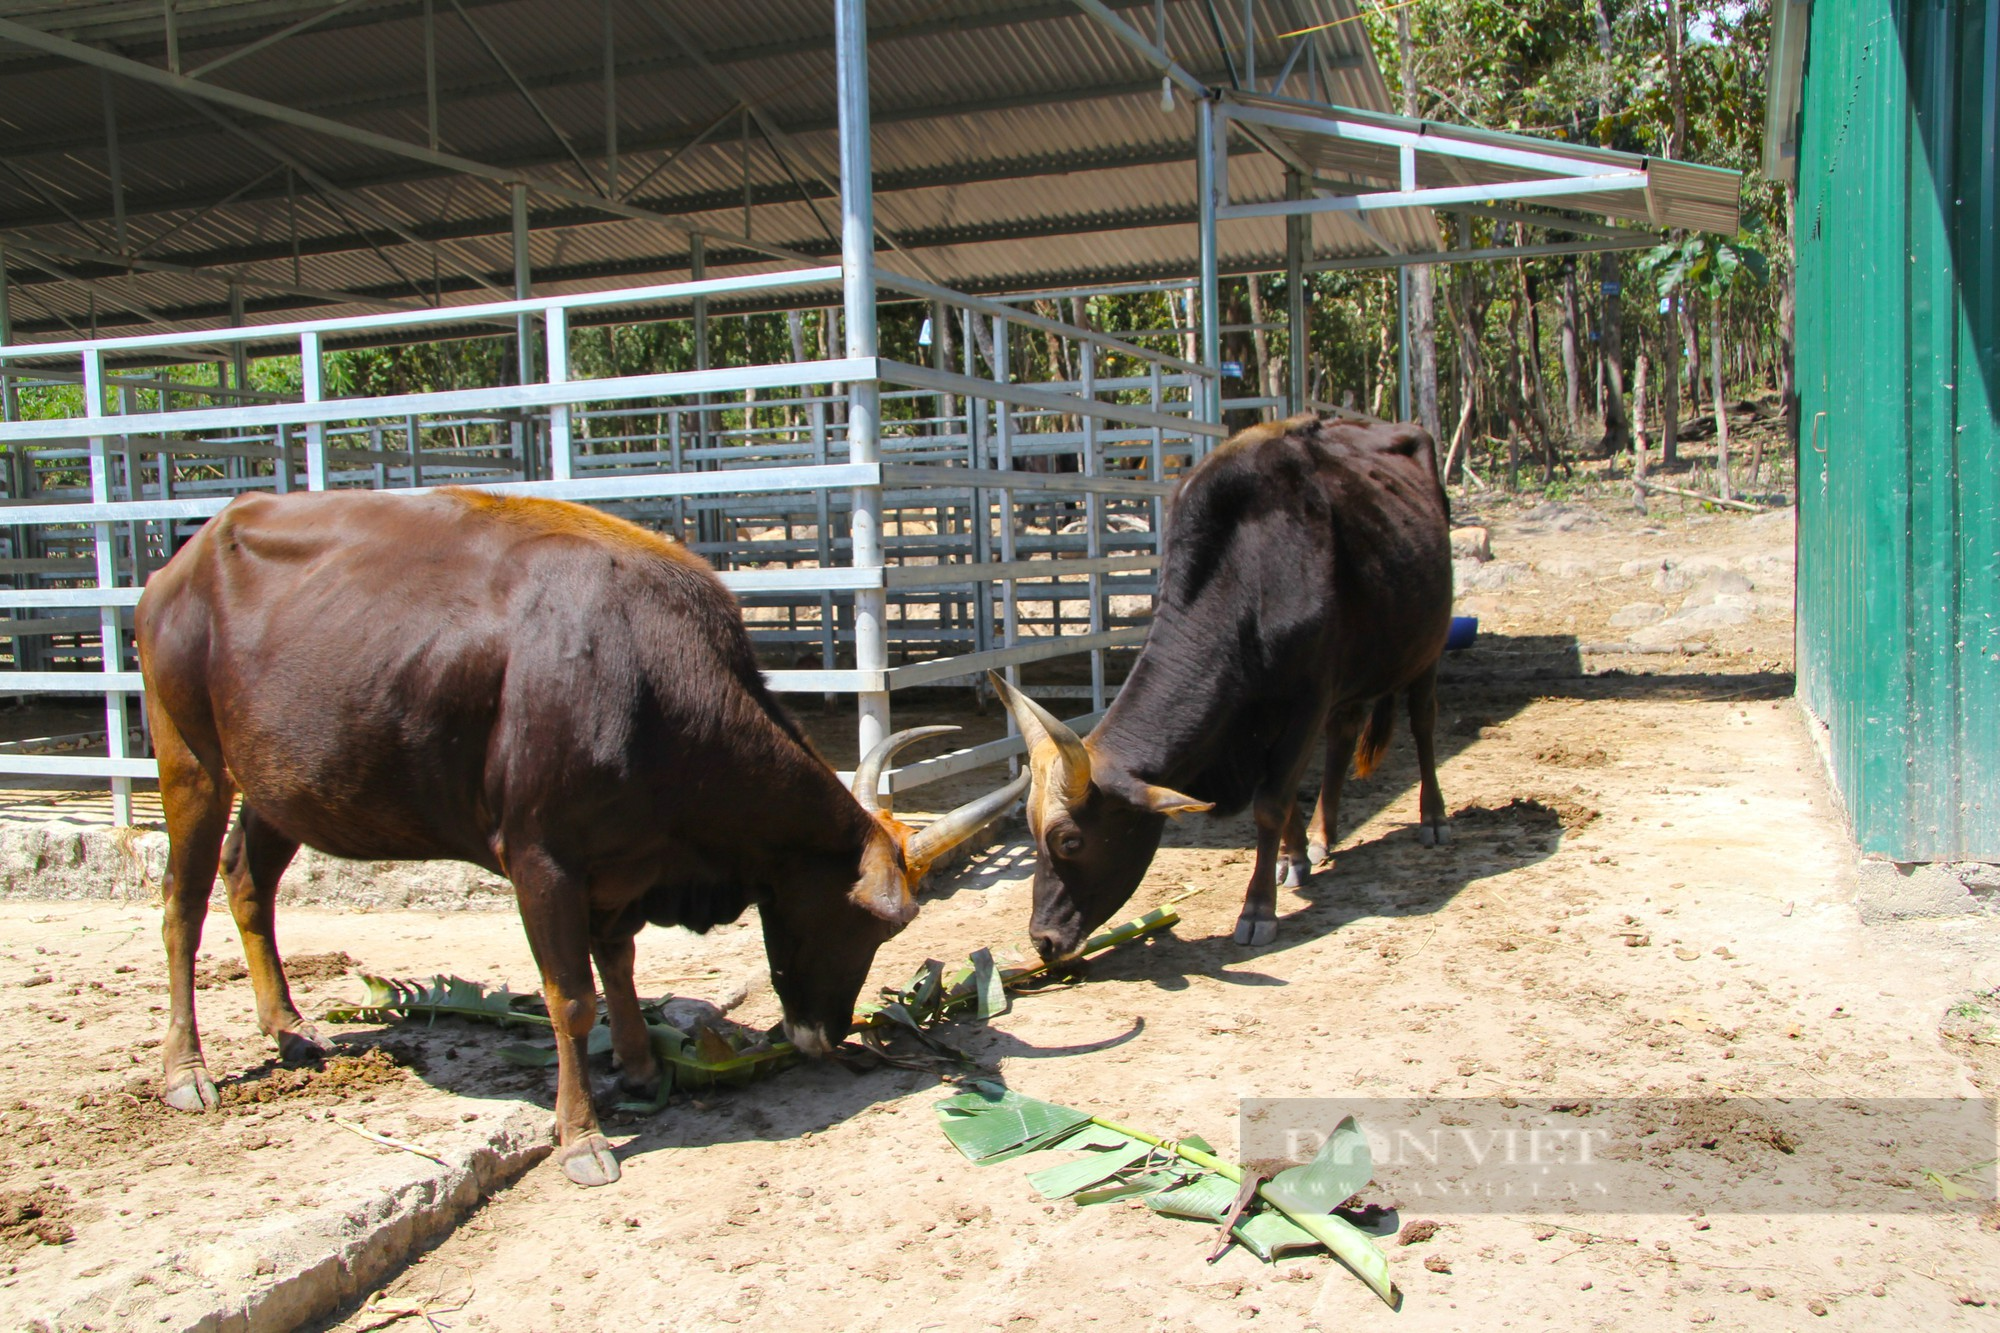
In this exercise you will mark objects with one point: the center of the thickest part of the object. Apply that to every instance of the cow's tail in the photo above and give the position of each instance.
(1375, 739)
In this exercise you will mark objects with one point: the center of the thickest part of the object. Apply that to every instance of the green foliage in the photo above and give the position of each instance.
(1181, 1178)
(1705, 264)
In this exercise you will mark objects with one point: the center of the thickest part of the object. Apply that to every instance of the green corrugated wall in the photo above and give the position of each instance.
(1898, 243)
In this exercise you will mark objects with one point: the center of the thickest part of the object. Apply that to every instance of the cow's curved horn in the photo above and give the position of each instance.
(1070, 774)
(868, 775)
(947, 831)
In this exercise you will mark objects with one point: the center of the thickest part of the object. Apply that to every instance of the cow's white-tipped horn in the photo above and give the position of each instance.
(947, 831)
(1070, 775)
(868, 775)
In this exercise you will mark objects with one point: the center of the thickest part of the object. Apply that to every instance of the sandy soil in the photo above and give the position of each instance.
(1649, 896)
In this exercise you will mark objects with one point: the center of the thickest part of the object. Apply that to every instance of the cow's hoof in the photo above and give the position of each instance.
(589, 1161)
(192, 1090)
(1295, 875)
(645, 1089)
(1434, 835)
(1318, 853)
(1252, 933)
(302, 1044)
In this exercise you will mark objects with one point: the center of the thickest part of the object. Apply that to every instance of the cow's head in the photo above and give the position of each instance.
(1095, 828)
(820, 953)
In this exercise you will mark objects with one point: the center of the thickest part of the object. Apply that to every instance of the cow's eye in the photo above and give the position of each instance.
(1068, 843)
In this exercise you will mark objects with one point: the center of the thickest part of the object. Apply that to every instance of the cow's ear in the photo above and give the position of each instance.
(883, 891)
(1167, 801)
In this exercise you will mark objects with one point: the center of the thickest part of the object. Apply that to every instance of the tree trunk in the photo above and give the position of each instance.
(1572, 356)
(1721, 405)
(1639, 441)
(1787, 327)
(1670, 413)
(1691, 335)
(1617, 429)
(1532, 376)
(1268, 383)
(1423, 295)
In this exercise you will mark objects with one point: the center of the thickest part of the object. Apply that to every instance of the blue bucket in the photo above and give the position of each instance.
(1464, 629)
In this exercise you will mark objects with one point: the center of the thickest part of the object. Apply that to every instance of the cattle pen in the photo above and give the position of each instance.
(887, 524)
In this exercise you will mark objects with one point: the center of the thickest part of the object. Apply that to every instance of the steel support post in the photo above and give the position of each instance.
(857, 255)
(239, 352)
(1003, 462)
(111, 650)
(704, 529)
(431, 71)
(10, 396)
(524, 324)
(557, 331)
(1402, 342)
(1208, 170)
(312, 371)
(1093, 517)
(1297, 325)
(978, 439)
(113, 160)
(610, 101)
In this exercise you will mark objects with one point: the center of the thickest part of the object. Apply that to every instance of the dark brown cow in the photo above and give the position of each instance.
(1306, 583)
(558, 696)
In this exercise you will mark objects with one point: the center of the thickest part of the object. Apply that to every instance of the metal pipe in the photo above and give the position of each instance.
(312, 371)
(10, 409)
(1211, 294)
(431, 71)
(857, 255)
(110, 650)
(560, 444)
(1003, 445)
(1403, 343)
(1297, 326)
(114, 162)
(610, 102)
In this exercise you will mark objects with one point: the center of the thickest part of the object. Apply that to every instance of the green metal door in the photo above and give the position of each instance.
(1899, 521)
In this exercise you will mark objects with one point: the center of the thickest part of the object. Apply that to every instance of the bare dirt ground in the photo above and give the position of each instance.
(1649, 895)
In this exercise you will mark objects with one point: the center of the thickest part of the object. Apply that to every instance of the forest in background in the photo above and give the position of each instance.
(1520, 367)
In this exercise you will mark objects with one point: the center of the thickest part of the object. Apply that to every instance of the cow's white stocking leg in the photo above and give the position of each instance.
(1296, 861)
(556, 914)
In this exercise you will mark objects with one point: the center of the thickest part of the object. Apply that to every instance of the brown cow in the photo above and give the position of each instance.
(555, 695)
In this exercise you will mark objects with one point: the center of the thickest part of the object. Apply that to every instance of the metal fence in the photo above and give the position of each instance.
(886, 525)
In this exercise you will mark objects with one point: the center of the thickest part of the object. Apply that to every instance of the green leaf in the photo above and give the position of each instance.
(1207, 1197)
(986, 984)
(1095, 1136)
(529, 1056)
(1059, 1182)
(992, 1123)
(1271, 1234)
(1352, 1246)
(1151, 1183)
(1337, 1171)
(1197, 1141)
(1949, 1188)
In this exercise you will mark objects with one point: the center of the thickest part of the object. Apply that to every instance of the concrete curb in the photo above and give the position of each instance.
(280, 1270)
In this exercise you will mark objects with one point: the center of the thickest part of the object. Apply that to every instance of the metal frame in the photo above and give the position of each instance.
(923, 555)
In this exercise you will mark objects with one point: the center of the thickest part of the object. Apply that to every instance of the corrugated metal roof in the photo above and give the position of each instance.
(1016, 143)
